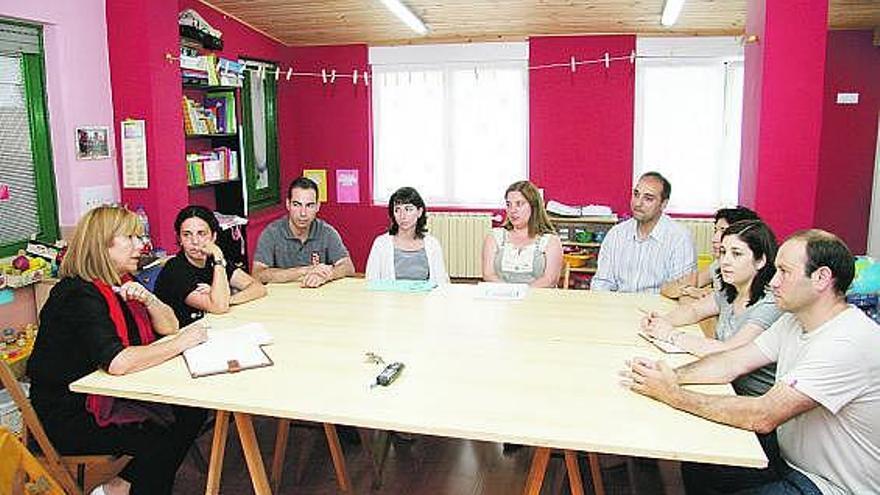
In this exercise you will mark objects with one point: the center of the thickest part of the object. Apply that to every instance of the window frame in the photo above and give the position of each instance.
(719, 53)
(33, 72)
(258, 199)
(449, 59)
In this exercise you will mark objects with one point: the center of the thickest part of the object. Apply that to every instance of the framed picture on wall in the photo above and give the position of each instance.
(92, 143)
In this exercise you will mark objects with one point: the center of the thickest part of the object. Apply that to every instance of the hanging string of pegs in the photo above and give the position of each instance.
(330, 76)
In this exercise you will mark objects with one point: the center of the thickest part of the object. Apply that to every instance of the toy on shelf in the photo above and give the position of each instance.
(16, 344)
(22, 270)
(865, 288)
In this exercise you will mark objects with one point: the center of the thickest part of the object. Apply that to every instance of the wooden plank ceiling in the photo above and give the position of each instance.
(333, 22)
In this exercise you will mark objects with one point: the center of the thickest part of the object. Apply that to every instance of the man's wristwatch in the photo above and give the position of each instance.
(221, 262)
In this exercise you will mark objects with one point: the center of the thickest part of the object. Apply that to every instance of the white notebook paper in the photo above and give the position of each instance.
(229, 350)
(502, 291)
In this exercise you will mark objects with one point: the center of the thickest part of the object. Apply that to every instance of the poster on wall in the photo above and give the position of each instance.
(347, 190)
(92, 143)
(319, 175)
(134, 154)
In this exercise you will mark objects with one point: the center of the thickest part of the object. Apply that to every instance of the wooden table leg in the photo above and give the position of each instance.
(537, 471)
(278, 456)
(252, 456)
(338, 458)
(574, 473)
(218, 450)
(596, 473)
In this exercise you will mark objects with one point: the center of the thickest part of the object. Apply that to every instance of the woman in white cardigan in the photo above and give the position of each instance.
(407, 251)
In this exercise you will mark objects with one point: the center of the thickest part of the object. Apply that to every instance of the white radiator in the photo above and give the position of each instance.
(461, 235)
(701, 230)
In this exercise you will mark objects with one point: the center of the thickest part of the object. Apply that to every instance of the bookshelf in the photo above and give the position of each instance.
(213, 158)
(581, 239)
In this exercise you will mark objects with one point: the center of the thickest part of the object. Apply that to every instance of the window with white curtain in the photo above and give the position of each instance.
(451, 121)
(689, 117)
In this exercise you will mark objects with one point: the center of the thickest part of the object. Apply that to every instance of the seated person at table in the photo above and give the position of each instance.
(743, 305)
(525, 249)
(97, 317)
(825, 404)
(407, 251)
(698, 284)
(300, 247)
(648, 250)
(199, 280)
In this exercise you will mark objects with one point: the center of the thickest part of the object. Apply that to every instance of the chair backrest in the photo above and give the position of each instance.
(21, 472)
(31, 422)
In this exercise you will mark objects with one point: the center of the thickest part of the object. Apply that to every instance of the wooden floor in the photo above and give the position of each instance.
(421, 465)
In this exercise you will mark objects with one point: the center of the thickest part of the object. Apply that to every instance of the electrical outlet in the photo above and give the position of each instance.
(91, 197)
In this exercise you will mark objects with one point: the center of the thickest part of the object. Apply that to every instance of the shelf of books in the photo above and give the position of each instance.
(212, 166)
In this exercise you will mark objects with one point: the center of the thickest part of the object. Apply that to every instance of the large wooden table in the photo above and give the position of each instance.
(542, 371)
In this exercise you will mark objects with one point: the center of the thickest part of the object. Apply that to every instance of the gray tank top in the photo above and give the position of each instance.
(519, 265)
(411, 265)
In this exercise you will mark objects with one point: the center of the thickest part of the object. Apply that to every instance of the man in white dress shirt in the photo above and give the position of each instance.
(649, 249)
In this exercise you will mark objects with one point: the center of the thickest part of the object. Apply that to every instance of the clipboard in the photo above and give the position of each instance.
(666, 347)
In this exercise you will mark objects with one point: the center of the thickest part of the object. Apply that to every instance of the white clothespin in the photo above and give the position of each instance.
(366, 78)
(262, 71)
(332, 76)
(607, 60)
(632, 57)
(573, 65)
(289, 73)
(324, 75)
(277, 72)
(354, 77)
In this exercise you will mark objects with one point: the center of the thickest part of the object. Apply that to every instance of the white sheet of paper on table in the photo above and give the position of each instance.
(502, 291)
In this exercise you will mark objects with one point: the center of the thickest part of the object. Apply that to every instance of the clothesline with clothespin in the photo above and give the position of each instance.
(330, 76)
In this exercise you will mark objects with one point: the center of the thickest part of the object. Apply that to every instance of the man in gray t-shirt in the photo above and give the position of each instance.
(301, 247)
(825, 404)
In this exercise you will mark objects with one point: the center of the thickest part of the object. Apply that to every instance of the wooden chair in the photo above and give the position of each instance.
(69, 470)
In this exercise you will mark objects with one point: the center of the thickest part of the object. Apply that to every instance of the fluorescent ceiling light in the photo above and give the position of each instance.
(406, 15)
(671, 9)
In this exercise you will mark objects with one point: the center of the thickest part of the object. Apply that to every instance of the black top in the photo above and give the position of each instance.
(178, 279)
(76, 337)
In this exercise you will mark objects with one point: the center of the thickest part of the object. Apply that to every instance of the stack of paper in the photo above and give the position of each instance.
(564, 210)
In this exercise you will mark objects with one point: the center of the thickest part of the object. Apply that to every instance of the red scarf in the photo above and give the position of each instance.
(109, 410)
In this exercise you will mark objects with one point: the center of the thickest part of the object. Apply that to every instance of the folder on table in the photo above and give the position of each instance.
(229, 351)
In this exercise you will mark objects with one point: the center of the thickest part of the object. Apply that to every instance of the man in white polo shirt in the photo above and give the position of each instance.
(825, 404)
(649, 249)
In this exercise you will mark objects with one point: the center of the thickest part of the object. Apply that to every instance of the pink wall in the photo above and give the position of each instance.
(148, 86)
(849, 137)
(328, 126)
(78, 87)
(783, 119)
(581, 124)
